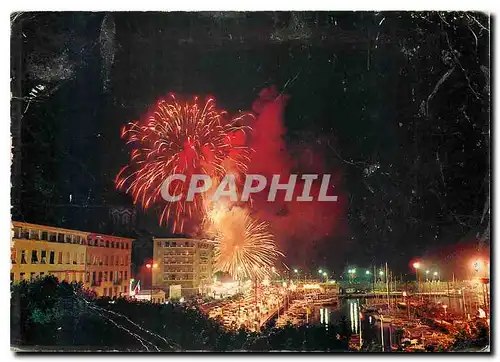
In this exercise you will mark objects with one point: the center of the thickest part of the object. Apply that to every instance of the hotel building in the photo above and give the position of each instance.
(108, 264)
(100, 262)
(184, 262)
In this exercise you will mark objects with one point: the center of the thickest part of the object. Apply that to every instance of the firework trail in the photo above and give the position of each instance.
(243, 246)
(181, 138)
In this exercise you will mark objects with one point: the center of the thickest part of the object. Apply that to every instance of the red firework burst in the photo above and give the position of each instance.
(180, 138)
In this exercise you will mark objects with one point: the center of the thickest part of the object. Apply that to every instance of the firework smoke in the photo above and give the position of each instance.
(297, 226)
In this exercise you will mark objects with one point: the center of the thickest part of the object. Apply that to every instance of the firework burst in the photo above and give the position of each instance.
(244, 247)
(181, 138)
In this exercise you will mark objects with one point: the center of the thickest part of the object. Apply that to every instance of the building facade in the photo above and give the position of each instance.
(100, 262)
(184, 262)
(109, 262)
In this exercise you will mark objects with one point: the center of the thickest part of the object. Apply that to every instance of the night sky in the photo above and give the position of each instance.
(394, 104)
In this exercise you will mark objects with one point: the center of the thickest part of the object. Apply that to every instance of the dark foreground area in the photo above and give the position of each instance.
(51, 316)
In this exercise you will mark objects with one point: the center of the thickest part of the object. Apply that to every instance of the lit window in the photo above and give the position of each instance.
(43, 257)
(59, 258)
(13, 256)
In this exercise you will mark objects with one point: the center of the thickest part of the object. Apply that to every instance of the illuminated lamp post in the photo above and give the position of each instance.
(352, 273)
(416, 266)
(326, 276)
(445, 307)
(152, 267)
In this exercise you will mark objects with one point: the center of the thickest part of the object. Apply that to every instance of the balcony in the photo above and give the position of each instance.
(117, 282)
(96, 283)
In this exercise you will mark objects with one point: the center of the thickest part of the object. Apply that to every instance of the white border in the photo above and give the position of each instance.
(212, 5)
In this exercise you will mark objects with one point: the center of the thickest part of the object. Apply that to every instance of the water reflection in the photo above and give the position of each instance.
(350, 309)
(367, 327)
(370, 330)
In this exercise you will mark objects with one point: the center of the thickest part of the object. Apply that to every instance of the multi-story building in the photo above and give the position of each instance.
(100, 262)
(39, 250)
(108, 264)
(184, 262)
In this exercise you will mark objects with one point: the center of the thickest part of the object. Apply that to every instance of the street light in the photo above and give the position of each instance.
(152, 267)
(320, 271)
(436, 274)
(477, 265)
(445, 306)
(367, 272)
(416, 265)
